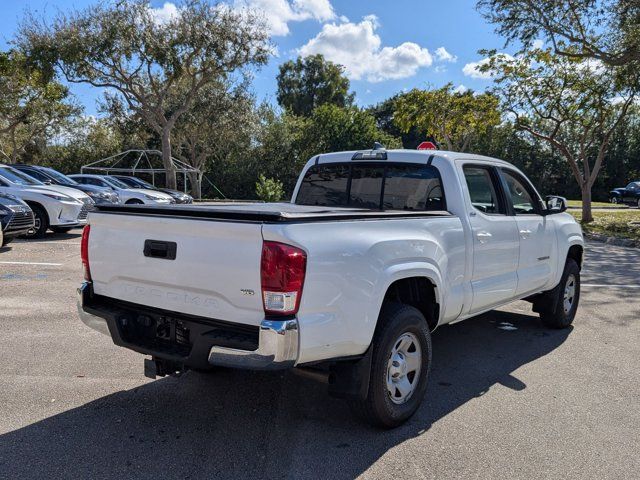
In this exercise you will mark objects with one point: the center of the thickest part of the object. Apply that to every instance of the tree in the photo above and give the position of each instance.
(333, 129)
(453, 118)
(31, 104)
(384, 113)
(310, 82)
(125, 47)
(219, 120)
(572, 105)
(606, 30)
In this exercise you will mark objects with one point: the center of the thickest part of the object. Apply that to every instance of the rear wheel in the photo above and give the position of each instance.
(61, 229)
(41, 222)
(614, 200)
(638, 203)
(564, 299)
(401, 360)
(133, 201)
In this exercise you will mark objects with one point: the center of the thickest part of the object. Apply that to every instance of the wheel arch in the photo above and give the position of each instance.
(576, 252)
(39, 205)
(418, 285)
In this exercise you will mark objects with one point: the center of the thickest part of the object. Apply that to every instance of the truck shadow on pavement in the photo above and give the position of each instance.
(264, 425)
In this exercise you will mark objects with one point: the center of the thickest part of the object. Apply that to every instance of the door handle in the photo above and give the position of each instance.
(483, 237)
(525, 233)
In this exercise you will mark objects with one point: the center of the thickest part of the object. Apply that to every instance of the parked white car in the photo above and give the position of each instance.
(376, 250)
(57, 208)
(128, 196)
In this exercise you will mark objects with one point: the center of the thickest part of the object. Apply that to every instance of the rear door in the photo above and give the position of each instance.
(536, 234)
(495, 238)
(196, 266)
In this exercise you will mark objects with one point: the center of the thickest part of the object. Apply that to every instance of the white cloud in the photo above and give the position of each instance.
(538, 43)
(460, 89)
(165, 13)
(359, 49)
(444, 56)
(471, 69)
(279, 13)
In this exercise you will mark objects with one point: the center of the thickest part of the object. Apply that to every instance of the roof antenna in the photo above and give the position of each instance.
(378, 146)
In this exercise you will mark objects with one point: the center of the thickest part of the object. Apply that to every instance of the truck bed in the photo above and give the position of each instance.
(265, 212)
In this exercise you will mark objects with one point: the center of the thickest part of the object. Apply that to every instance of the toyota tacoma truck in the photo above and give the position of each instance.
(345, 283)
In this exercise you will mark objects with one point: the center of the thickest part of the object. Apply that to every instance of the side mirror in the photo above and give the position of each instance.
(555, 204)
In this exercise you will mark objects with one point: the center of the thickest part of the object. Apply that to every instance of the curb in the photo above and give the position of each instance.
(600, 208)
(618, 242)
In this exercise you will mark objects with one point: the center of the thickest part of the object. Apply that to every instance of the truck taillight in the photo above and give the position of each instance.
(84, 252)
(282, 271)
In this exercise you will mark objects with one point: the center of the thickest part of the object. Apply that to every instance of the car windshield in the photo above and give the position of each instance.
(18, 178)
(114, 182)
(59, 177)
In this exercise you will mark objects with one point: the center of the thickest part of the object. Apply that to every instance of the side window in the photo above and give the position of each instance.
(482, 190)
(522, 198)
(37, 175)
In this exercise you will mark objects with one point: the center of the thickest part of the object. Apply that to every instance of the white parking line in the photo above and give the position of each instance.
(33, 263)
(600, 285)
(48, 243)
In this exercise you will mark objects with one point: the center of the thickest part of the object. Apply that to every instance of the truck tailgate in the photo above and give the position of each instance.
(215, 272)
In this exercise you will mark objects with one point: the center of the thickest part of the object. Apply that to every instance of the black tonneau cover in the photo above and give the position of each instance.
(263, 212)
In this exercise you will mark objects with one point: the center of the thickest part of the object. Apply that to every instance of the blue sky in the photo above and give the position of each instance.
(386, 45)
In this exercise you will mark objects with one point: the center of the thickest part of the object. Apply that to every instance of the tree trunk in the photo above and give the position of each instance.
(195, 179)
(586, 203)
(166, 159)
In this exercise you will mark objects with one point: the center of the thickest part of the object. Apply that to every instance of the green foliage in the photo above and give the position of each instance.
(31, 105)
(311, 82)
(268, 189)
(333, 129)
(605, 30)
(454, 119)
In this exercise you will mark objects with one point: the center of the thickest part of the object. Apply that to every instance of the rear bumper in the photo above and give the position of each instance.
(188, 340)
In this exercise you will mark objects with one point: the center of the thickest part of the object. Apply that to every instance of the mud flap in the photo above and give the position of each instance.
(350, 379)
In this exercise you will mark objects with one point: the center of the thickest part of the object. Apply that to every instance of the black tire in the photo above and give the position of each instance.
(134, 201)
(61, 229)
(378, 409)
(42, 222)
(614, 200)
(6, 241)
(557, 315)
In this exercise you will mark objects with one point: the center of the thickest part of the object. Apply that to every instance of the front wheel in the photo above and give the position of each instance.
(562, 310)
(41, 219)
(401, 360)
(134, 201)
(638, 203)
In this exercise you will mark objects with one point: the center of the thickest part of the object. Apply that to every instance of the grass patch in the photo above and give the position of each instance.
(613, 223)
(578, 203)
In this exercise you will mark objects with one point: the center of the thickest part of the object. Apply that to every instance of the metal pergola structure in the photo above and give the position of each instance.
(138, 161)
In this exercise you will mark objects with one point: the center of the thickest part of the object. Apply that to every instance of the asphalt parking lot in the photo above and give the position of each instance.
(507, 398)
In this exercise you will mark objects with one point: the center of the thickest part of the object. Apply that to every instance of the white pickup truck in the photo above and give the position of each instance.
(376, 250)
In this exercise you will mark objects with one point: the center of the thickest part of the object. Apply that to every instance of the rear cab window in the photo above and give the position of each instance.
(373, 185)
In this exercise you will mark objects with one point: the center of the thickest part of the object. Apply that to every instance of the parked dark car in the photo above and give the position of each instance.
(16, 218)
(135, 182)
(49, 176)
(629, 195)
